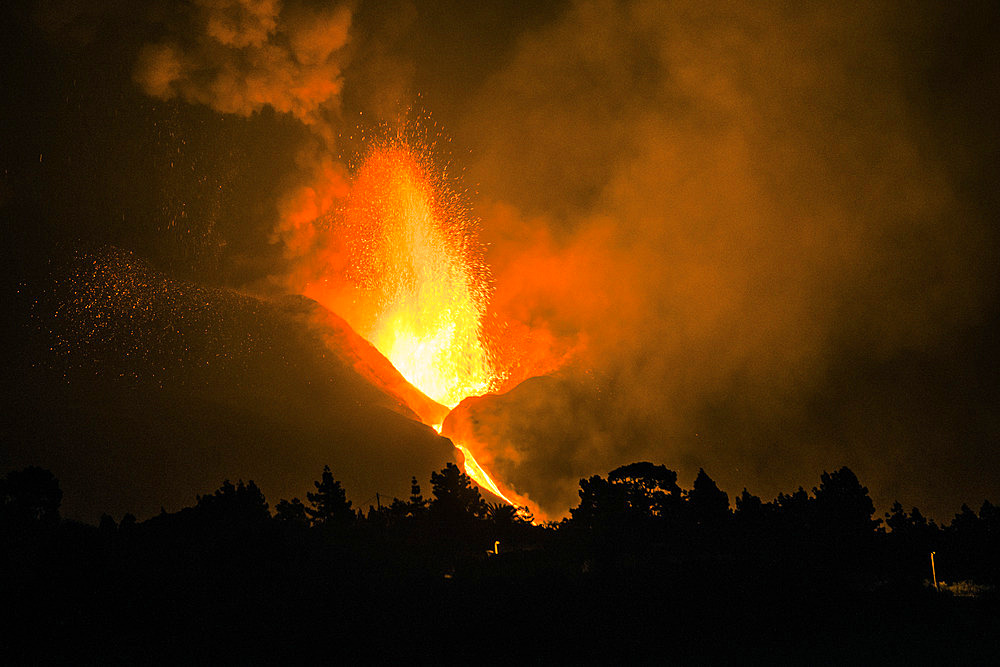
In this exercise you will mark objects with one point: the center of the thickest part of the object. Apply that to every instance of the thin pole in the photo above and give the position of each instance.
(934, 572)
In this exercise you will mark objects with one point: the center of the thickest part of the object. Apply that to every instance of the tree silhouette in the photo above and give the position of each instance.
(455, 496)
(794, 511)
(329, 506)
(636, 491)
(649, 489)
(400, 511)
(241, 503)
(597, 496)
(397, 512)
(896, 519)
(292, 513)
(842, 504)
(990, 513)
(709, 505)
(966, 523)
(911, 526)
(501, 515)
(602, 503)
(107, 525)
(911, 538)
(416, 506)
(749, 508)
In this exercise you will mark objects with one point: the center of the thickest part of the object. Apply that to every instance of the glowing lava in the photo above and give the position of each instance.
(477, 473)
(428, 283)
(420, 285)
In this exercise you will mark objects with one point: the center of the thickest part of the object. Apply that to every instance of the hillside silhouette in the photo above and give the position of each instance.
(140, 390)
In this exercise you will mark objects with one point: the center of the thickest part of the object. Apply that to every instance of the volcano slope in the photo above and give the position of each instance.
(139, 392)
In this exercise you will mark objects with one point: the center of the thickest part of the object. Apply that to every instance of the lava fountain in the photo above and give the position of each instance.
(417, 280)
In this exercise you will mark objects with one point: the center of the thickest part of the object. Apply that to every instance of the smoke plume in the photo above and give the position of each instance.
(239, 56)
(762, 238)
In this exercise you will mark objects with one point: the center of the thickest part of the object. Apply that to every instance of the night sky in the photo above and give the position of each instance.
(759, 239)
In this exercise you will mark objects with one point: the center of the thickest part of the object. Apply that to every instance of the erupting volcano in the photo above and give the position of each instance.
(415, 283)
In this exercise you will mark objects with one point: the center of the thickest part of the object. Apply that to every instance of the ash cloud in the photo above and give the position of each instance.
(238, 56)
(767, 233)
(243, 57)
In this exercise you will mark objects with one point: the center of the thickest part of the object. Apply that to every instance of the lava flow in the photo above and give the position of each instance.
(418, 283)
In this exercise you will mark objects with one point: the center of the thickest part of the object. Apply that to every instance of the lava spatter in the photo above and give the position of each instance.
(419, 279)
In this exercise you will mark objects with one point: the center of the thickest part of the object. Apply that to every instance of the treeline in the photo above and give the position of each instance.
(238, 579)
(639, 505)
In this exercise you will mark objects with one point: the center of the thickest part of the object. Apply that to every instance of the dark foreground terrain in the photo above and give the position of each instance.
(643, 571)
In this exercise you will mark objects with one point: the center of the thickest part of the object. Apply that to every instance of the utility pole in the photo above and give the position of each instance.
(934, 572)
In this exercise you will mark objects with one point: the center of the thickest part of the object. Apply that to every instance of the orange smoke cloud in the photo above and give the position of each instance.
(301, 212)
(717, 212)
(238, 56)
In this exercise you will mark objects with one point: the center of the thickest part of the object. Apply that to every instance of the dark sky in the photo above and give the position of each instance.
(761, 240)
